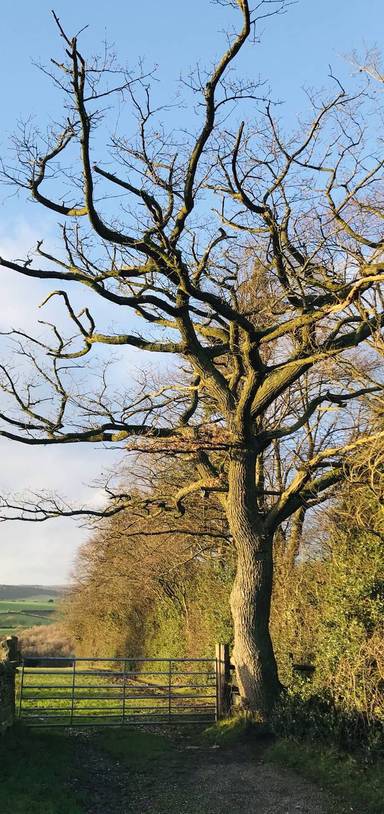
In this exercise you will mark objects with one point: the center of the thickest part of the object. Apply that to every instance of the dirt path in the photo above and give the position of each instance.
(192, 780)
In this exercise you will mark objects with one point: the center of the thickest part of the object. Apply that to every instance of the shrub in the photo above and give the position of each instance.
(46, 640)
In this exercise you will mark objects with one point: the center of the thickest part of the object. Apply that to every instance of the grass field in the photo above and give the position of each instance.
(18, 614)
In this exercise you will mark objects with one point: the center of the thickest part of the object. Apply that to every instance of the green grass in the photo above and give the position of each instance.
(17, 614)
(34, 769)
(24, 605)
(361, 787)
(239, 729)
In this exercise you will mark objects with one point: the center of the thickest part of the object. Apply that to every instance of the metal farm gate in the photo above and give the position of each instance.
(119, 691)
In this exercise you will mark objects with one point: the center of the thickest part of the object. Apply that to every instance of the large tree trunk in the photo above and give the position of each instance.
(251, 594)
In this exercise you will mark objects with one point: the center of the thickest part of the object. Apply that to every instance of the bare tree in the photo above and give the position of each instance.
(253, 257)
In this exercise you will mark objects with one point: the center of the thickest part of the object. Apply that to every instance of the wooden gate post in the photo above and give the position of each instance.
(223, 673)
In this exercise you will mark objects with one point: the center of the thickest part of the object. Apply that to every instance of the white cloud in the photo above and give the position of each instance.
(44, 552)
(39, 552)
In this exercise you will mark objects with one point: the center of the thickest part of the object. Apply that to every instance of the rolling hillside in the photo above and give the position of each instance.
(35, 592)
(24, 606)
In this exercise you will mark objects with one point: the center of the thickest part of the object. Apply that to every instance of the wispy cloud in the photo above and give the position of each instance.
(39, 552)
(44, 552)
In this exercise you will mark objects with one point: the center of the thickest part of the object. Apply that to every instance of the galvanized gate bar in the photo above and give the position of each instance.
(114, 695)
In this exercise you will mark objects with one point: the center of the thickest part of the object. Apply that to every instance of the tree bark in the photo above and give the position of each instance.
(294, 539)
(253, 654)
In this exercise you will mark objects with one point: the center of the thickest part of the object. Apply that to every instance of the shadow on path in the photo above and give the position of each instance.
(148, 773)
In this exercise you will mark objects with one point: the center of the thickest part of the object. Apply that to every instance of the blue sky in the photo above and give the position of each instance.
(296, 50)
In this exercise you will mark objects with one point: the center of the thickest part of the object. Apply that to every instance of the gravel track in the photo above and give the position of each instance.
(192, 780)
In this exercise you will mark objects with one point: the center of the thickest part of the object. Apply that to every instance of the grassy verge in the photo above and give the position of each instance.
(34, 770)
(236, 731)
(361, 787)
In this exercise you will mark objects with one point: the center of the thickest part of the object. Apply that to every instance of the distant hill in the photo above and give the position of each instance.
(31, 591)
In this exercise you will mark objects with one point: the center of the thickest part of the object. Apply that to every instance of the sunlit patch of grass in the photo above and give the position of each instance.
(241, 728)
(227, 731)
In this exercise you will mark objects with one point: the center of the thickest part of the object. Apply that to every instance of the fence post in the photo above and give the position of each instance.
(9, 660)
(73, 690)
(223, 673)
(124, 690)
(169, 690)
